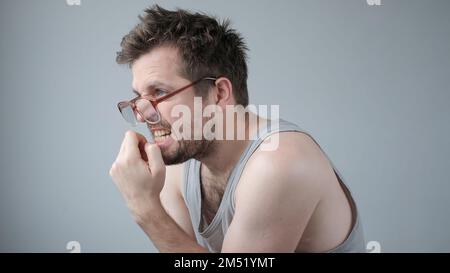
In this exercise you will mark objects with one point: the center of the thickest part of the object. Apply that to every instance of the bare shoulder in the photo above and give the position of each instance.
(276, 196)
(297, 164)
(280, 191)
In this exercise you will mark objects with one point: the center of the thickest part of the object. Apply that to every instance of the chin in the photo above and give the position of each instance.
(170, 154)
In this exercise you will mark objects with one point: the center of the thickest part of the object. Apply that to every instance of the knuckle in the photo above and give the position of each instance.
(112, 170)
(129, 133)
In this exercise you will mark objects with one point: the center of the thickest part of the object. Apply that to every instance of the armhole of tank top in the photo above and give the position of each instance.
(349, 197)
(342, 184)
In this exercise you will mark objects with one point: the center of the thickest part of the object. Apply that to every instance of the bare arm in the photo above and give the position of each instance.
(172, 199)
(275, 199)
(165, 233)
(169, 225)
(141, 180)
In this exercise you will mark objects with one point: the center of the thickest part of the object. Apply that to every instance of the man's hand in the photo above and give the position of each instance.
(139, 173)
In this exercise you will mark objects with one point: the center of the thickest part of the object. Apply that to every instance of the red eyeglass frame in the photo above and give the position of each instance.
(155, 101)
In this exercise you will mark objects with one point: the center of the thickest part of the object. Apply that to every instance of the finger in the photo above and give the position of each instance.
(131, 144)
(141, 147)
(155, 160)
(122, 145)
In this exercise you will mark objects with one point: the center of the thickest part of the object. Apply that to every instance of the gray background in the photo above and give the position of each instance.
(371, 83)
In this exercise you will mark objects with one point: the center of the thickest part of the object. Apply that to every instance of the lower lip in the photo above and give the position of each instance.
(163, 142)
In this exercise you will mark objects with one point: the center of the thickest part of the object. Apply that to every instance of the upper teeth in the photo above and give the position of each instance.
(159, 133)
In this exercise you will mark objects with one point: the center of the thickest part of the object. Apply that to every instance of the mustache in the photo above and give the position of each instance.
(162, 124)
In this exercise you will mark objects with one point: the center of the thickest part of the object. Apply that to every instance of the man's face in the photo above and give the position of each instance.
(158, 71)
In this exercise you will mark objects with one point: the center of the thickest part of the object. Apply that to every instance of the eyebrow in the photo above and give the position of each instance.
(153, 85)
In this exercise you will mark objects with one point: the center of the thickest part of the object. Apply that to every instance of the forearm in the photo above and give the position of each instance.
(165, 233)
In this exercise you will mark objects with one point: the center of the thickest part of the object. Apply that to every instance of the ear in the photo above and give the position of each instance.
(224, 92)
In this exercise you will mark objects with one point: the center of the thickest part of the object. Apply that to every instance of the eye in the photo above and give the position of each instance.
(160, 93)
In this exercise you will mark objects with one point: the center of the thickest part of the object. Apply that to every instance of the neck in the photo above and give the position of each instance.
(228, 152)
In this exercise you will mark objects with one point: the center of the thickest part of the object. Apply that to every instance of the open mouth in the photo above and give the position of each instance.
(161, 134)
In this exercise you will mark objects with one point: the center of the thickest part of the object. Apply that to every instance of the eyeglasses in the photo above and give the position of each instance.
(146, 106)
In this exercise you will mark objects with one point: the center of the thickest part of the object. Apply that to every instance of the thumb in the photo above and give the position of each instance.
(155, 160)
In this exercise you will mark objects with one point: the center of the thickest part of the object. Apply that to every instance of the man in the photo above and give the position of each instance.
(220, 195)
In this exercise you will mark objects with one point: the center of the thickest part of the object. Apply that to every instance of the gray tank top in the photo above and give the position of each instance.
(211, 236)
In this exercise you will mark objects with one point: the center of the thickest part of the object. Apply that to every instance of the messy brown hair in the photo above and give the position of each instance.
(206, 46)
